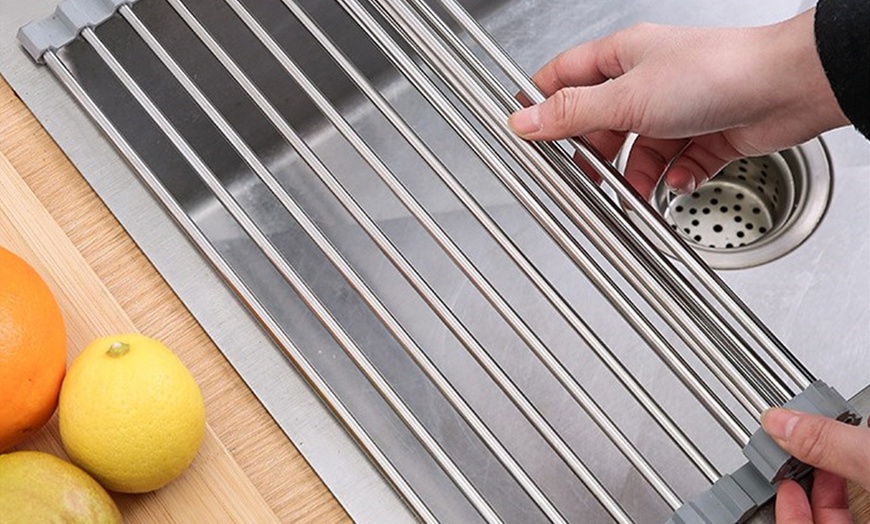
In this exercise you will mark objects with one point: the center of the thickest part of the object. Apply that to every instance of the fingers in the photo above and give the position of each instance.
(572, 111)
(792, 505)
(829, 499)
(698, 163)
(648, 159)
(822, 442)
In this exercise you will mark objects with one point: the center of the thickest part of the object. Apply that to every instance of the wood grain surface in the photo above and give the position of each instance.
(247, 470)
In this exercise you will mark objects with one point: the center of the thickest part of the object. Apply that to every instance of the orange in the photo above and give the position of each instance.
(32, 350)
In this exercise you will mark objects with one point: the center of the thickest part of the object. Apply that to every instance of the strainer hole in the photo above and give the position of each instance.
(749, 225)
(697, 238)
(738, 218)
(714, 201)
(762, 230)
(737, 207)
(717, 228)
(693, 211)
(741, 169)
(740, 234)
(706, 210)
(717, 190)
(756, 210)
(696, 223)
(723, 209)
(739, 196)
(696, 195)
(679, 209)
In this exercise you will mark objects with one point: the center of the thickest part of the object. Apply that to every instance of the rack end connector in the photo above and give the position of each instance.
(69, 19)
(732, 499)
(776, 464)
(735, 497)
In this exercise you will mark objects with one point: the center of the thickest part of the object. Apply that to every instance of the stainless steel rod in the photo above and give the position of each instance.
(743, 357)
(371, 299)
(297, 283)
(538, 211)
(583, 215)
(368, 444)
(420, 285)
(440, 236)
(771, 388)
(526, 267)
(724, 294)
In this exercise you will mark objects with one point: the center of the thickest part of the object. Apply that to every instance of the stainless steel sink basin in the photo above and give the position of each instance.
(816, 297)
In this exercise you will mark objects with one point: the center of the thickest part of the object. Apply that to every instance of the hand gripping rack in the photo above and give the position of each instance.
(432, 50)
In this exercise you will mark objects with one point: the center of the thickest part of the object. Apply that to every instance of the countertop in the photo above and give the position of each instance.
(289, 486)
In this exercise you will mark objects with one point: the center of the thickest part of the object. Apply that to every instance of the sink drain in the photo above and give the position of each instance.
(754, 210)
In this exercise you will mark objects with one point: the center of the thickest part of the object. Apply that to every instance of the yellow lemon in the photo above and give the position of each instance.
(130, 413)
(38, 487)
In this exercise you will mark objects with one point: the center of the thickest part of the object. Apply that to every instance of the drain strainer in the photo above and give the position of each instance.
(755, 210)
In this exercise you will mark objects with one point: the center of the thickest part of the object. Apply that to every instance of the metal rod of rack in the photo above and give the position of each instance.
(371, 299)
(414, 278)
(297, 283)
(535, 344)
(722, 336)
(527, 268)
(583, 212)
(724, 294)
(550, 225)
(233, 280)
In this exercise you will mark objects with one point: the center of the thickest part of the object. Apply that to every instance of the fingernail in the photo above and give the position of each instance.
(526, 121)
(682, 190)
(779, 423)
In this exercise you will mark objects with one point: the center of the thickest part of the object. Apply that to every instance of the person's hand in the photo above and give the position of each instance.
(838, 451)
(697, 98)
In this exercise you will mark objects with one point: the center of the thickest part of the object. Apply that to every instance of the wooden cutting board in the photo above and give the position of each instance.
(214, 488)
(247, 470)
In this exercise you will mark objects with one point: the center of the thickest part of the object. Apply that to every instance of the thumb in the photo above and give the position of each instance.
(822, 442)
(570, 111)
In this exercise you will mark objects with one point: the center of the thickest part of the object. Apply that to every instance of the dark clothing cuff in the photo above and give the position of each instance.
(843, 42)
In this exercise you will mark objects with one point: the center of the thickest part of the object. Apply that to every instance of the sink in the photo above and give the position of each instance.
(815, 297)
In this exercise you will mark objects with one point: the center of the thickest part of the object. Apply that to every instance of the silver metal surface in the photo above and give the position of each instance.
(358, 237)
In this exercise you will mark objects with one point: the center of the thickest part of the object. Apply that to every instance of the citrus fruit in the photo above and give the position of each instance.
(32, 350)
(130, 413)
(38, 487)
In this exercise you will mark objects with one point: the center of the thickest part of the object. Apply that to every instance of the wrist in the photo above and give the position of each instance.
(806, 88)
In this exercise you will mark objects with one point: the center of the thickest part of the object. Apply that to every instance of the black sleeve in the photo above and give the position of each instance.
(843, 41)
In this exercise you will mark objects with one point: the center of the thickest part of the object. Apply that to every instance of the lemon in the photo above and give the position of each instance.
(39, 487)
(130, 413)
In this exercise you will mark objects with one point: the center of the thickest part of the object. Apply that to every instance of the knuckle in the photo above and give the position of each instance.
(564, 110)
(627, 114)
